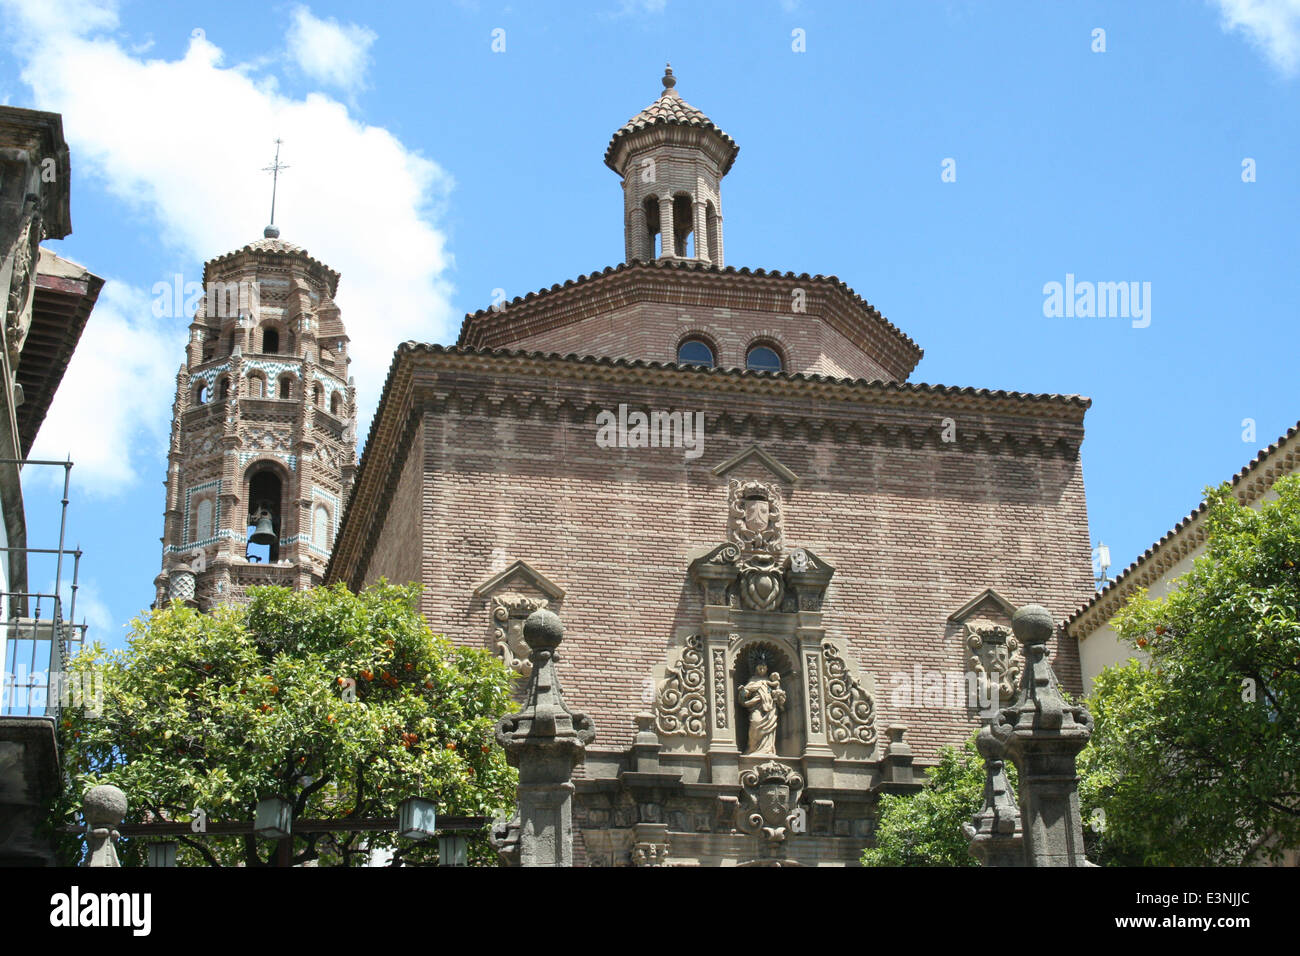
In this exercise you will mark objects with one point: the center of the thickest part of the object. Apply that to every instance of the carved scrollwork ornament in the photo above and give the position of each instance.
(681, 705)
(850, 710)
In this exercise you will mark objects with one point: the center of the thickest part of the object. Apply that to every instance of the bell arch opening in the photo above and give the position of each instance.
(265, 524)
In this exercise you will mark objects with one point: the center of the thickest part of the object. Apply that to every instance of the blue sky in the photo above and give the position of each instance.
(430, 170)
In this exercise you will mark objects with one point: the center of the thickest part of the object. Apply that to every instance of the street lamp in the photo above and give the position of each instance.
(274, 819)
(161, 853)
(452, 849)
(416, 818)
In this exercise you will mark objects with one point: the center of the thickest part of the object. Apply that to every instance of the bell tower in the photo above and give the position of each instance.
(263, 440)
(672, 159)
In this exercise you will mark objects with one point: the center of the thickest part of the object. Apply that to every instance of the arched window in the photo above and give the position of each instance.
(223, 390)
(317, 396)
(270, 341)
(286, 386)
(320, 527)
(695, 352)
(256, 386)
(761, 358)
(336, 404)
(203, 520)
(201, 394)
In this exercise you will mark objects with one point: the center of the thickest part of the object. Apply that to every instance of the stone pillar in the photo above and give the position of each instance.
(637, 234)
(1044, 735)
(897, 763)
(701, 232)
(545, 740)
(995, 834)
(104, 807)
(667, 234)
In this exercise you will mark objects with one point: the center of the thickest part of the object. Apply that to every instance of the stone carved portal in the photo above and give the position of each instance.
(759, 675)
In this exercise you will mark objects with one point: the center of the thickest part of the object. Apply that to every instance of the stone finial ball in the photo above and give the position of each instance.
(543, 630)
(1033, 624)
(104, 806)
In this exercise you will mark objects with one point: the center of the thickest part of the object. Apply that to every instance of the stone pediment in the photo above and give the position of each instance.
(988, 603)
(755, 454)
(516, 574)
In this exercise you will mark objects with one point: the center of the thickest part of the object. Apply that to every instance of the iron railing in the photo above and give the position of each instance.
(39, 644)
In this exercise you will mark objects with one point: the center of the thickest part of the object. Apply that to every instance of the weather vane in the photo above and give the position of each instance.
(272, 231)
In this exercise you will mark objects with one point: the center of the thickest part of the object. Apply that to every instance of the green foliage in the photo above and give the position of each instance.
(213, 711)
(925, 828)
(1195, 757)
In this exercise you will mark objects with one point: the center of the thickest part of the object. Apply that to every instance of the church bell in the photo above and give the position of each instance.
(264, 533)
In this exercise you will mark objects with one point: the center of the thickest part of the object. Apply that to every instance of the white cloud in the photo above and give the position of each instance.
(112, 410)
(91, 608)
(183, 143)
(1272, 25)
(329, 52)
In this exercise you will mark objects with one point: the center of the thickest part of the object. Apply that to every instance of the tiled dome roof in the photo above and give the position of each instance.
(670, 109)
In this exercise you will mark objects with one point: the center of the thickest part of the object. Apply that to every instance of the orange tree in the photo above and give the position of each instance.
(344, 704)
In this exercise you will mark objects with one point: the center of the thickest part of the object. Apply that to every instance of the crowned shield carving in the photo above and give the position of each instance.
(755, 524)
(509, 611)
(996, 658)
(769, 800)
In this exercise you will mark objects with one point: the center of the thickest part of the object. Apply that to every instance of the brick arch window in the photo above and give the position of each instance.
(203, 520)
(317, 395)
(320, 527)
(696, 350)
(223, 389)
(286, 386)
(201, 394)
(336, 404)
(270, 340)
(764, 356)
(256, 385)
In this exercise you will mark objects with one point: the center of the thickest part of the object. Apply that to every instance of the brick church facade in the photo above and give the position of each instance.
(851, 541)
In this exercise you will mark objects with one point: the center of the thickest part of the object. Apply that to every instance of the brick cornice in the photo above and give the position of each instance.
(687, 282)
(1248, 485)
(433, 377)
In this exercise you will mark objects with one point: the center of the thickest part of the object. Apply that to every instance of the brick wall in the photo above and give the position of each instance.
(914, 526)
(653, 330)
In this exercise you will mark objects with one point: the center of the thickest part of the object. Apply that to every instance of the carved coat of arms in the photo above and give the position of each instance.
(769, 800)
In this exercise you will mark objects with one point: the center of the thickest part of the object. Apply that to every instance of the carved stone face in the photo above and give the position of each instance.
(760, 670)
(758, 513)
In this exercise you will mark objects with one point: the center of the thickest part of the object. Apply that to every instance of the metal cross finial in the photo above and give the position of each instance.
(274, 170)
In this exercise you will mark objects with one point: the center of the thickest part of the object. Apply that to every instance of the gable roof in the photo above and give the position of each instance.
(1249, 485)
